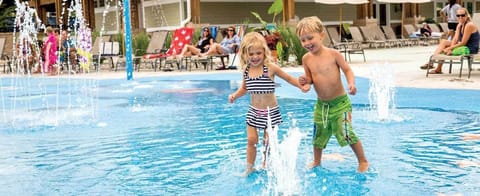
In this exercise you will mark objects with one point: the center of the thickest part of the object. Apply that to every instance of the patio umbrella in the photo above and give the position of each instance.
(403, 6)
(341, 2)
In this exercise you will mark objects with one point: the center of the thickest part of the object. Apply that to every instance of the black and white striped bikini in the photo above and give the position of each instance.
(261, 85)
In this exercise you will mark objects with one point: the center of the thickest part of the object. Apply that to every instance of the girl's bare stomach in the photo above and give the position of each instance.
(263, 101)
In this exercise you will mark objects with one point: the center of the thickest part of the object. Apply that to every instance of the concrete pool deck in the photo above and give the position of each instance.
(405, 64)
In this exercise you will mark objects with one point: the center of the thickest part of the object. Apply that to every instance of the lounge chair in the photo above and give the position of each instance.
(155, 46)
(410, 29)
(346, 47)
(444, 27)
(441, 58)
(180, 38)
(368, 40)
(390, 34)
(370, 36)
(473, 59)
(4, 60)
(97, 50)
(208, 60)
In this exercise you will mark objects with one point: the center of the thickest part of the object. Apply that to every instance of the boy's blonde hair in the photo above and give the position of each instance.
(310, 24)
(254, 39)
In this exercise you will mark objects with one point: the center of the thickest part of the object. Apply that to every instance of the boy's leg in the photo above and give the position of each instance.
(362, 160)
(317, 157)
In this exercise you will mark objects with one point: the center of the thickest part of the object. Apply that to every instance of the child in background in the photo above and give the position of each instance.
(50, 52)
(258, 81)
(332, 112)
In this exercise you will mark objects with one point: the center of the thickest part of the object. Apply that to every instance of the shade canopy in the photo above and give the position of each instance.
(341, 1)
(404, 1)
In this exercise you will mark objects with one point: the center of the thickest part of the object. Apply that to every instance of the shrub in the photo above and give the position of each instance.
(140, 44)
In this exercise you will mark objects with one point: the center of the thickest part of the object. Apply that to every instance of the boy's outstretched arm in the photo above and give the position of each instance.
(242, 90)
(348, 72)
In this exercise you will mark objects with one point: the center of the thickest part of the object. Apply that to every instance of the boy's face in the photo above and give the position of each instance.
(312, 41)
(255, 56)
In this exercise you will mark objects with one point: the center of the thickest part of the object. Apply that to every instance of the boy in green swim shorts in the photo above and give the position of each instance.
(332, 113)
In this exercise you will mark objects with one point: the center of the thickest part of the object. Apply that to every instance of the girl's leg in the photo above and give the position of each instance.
(266, 149)
(252, 140)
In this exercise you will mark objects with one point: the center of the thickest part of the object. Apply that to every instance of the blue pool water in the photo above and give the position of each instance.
(177, 135)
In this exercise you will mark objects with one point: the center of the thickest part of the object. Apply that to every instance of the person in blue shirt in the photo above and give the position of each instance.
(68, 52)
(227, 46)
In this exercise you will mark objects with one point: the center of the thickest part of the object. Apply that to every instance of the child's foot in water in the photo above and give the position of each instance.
(362, 167)
(248, 171)
(313, 165)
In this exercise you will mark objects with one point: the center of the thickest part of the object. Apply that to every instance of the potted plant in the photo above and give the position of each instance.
(269, 30)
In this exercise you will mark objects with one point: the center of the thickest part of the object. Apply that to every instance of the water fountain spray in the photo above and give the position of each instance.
(382, 91)
(282, 160)
(25, 45)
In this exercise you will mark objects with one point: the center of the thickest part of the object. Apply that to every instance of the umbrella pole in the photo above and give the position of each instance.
(341, 27)
(403, 18)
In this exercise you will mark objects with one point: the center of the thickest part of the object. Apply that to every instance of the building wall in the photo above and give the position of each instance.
(110, 25)
(223, 13)
(233, 13)
(154, 15)
(329, 14)
(238, 12)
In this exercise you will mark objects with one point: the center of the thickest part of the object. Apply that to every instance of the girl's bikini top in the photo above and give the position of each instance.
(259, 85)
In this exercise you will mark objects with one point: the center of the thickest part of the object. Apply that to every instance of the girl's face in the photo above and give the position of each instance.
(311, 41)
(256, 56)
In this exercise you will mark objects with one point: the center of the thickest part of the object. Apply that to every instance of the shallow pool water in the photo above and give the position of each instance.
(179, 136)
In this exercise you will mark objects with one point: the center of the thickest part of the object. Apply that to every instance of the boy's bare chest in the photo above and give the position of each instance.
(323, 65)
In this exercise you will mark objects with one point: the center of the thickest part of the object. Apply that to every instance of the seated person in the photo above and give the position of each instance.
(68, 52)
(466, 35)
(204, 43)
(227, 46)
(27, 55)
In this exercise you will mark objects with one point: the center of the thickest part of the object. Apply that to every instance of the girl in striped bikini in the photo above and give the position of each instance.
(258, 81)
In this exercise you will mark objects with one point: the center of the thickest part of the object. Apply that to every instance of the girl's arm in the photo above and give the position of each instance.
(239, 93)
(276, 70)
(306, 79)
(352, 88)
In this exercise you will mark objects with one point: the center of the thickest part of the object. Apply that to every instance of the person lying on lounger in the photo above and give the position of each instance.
(227, 46)
(204, 43)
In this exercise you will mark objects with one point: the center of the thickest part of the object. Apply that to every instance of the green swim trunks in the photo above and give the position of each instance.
(333, 118)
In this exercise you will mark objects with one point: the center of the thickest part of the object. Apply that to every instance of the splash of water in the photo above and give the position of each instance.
(26, 96)
(381, 93)
(25, 45)
(282, 160)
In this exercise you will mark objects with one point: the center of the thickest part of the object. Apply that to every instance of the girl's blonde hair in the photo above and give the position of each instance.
(310, 24)
(254, 39)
